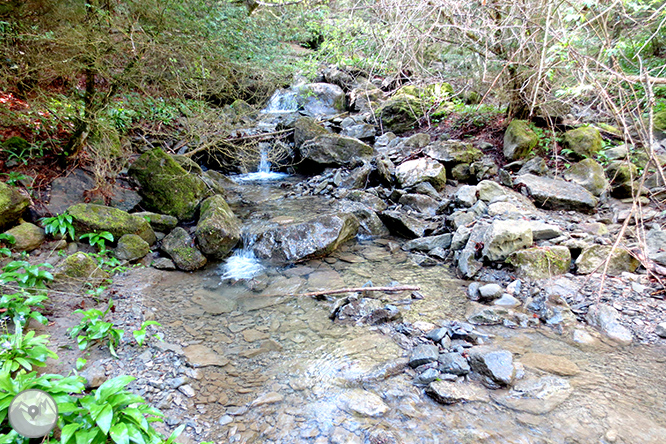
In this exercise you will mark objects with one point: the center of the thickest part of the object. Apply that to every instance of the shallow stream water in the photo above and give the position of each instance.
(294, 376)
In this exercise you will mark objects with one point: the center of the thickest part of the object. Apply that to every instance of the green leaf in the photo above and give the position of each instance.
(112, 386)
(175, 434)
(137, 417)
(105, 419)
(120, 434)
(68, 431)
(135, 434)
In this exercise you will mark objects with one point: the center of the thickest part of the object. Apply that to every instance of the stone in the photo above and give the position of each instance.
(557, 194)
(427, 376)
(363, 403)
(95, 375)
(460, 238)
(299, 241)
(335, 150)
(536, 165)
(420, 203)
(473, 291)
(201, 356)
(370, 223)
(606, 319)
(543, 231)
(592, 257)
(218, 230)
(428, 243)
(423, 354)
(483, 169)
(536, 396)
(478, 314)
(589, 174)
(131, 247)
(467, 261)
(386, 169)
(267, 398)
(506, 300)
(360, 131)
(159, 222)
(487, 190)
(490, 291)
(27, 237)
(12, 205)
(413, 172)
(437, 334)
(402, 224)
(623, 177)
(368, 199)
(505, 237)
(519, 140)
(91, 218)
(320, 99)
(453, 153)
(453, 363)
(660, 330)
(461, 172)
(466, 196)
(400, 113)
(305, 129)
(659, 125)
(163, 263)
(179, 245)
(69, 190)
(583, 142)
(557, 365)
(166, 187)
(541, 262)
(446, 392)
(418, 140)
(496, 364)
(76, 271)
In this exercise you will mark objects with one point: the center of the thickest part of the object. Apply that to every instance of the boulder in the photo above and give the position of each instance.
(76, 271)
(335, 150)
(420, 203)
(589, 174)
(301, 241)
(583, 142)
(402, 224)
(415, 171)
(27, 237)
(218, 229)
(557, 194)
(493, 363)
(519, 140)
(504, 237)
(91, 218)
(541, 263)
(400, 113)
(307, 128)
(466, 196)
(320, 99)
(166, 187)
(452, 152)
(131, 247)
(159, 222)
(606, 319)
(467, 261)
(12, 205)
(416, 141)
(623, 178)
(179, 245)
(593, 256)
(359, 131)
(659, 125)
(428, 243)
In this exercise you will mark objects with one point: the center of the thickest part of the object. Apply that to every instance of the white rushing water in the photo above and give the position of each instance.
(282, 101)
(242, 264)
(263, 173)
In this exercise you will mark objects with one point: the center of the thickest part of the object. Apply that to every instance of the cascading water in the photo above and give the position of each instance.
(282, 101)
(263, 173)
(242, 264)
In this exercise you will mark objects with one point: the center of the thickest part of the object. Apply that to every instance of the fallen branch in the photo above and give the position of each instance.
(229, 140)
(317, 294)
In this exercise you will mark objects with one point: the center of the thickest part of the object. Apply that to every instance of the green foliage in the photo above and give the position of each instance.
(19, 307)
(14, 178)
(98, 240)
(23, 351)
(26, 275)
(140, 334)
(546, 139)
(93, 329)
(61, 224)
(6, 239)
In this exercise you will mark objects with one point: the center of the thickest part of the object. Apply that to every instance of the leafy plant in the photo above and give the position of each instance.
(98, 239)
(6, 239)
(140, 334)
(14, 177)
(24, 351)
(26, 275)
(93, 328)
(61, 224)
(19, 306)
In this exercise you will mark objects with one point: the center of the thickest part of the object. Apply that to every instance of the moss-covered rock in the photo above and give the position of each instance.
(77, 270)
(12, 205)
(27, 236)
(519, 140)
(16, 145)
(453, 153)
(91, 218)
(583, 142)
(187, 164)
(218, 230)
(541, 263)
(131, 247)
(589, 174)
(179, 245)
(307, 128)
(166, 187)
(400, 113)
(659, 124)
(591, 260)
(431, 93)
(159, 222)
(623, 177)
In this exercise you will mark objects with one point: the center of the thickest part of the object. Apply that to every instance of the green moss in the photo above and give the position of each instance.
(519, 140)
(91, 218)
(659, 121)
(583, 142)
(16, 144)
(541, 263)
(400, 113)
(12, 204)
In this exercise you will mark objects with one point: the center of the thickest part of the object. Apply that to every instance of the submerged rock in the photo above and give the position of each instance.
(12, 205)
(447, 392)
(363, 402)
(218, 230)
(180, 247)
(537, 396)
(91, 218)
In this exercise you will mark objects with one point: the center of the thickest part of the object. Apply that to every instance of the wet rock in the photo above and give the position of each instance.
(592, 258)
(490, 291)
(402, 224)
(454, 153)
(307, 128)
(27, 237)
(505, 237)
(589, 174)
(447, 392)
(335, 150)
(363, 402)
(166, 187)
(267, 398)
(536, 165)
(557, 194)
(131, 247)
(453, 363)
(420, 203)
(297, 242)
(159, 222)
(537, 396)
(423, 354)
(437, 334)
(478, 314)
(496, 364)
(202, 356)
(557, 365)
(357, 309)
(583, 142)
(91, 218)
(427, 376)
(519, 140)
(163, 263)
(542, 262)
(180, 247)
(218, 229)
(605, 318)
(428, 243)
(413, 172)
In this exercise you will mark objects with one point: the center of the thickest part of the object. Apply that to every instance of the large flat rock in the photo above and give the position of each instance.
(557, 194)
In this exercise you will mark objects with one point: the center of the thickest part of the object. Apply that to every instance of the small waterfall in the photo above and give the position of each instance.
(242, 264)
(264, 172)
(282, 101)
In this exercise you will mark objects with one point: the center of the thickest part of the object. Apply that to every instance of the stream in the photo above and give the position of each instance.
(286, 373)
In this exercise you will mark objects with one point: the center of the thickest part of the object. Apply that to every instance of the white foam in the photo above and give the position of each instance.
(243, 264)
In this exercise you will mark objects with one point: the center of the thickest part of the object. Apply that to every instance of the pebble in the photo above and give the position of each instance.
(187, 390)
(423, 354)
(490, 291)
(507, 301)
(225, 420)
(660, 330)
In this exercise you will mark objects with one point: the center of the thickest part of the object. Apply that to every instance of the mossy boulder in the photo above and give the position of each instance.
(431, 93)
(91, 218)
(400, 113)
(623, 177)
(519, 140)
(307, 128)
(335, 150)
(659, 124)
(159, 222)
(77, 270)
(591, 260)
(179, 245)
(27, 237)
(589, 174)
(583, 142)
(12, 205)
(541, 263)
(131, 247)
(218, 230)
(166, 187)
(187, 164)
(453, 153)
(320, 99)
